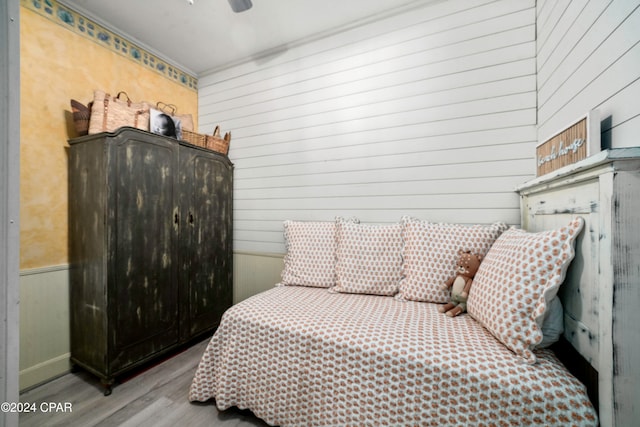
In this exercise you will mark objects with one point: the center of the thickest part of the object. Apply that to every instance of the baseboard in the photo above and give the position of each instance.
(44, 372)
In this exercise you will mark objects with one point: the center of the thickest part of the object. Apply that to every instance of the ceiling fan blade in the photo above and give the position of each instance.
(240, 5)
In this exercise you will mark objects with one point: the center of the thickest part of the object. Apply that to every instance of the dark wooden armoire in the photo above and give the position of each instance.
(150, 241)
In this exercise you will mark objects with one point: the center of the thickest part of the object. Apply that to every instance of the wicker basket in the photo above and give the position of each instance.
(81, 114)
(109, 113)
(210, 142)
(194, 138)
(218, 144)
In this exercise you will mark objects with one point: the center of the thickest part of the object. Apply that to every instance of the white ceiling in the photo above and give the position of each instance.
(208, 35)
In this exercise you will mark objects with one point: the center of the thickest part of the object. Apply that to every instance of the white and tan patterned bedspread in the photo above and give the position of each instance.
(301, 356)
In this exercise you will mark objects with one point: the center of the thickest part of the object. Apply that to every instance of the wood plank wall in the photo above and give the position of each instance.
(589, 58)
(430, 112)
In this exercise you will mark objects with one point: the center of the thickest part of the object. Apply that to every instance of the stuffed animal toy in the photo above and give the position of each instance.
(460, 284)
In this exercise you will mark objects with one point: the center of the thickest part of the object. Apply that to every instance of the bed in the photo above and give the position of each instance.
(352, 337)
(301, 356)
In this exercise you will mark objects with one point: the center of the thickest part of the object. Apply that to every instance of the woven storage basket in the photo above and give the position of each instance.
(109, 113)
(218, 144)
(81, 114)
(194, 138)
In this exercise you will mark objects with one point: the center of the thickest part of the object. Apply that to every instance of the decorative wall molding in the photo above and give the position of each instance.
(87, 28)
(41, 270)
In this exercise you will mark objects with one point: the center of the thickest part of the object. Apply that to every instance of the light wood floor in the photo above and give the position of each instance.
(156, 397)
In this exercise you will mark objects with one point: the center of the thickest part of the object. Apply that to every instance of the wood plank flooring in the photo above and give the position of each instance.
(156, 397)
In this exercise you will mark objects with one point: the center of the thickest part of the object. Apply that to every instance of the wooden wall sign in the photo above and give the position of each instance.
(576, 142)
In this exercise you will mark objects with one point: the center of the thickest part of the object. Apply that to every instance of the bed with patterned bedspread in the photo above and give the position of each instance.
(309, 356)
(301, 356)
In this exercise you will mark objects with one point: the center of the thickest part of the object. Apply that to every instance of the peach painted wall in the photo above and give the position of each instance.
(57, 65)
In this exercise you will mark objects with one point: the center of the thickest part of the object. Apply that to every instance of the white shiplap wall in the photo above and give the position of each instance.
(430, 112)
(589, 58)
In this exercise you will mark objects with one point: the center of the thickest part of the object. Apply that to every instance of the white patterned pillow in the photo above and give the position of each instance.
(368, 258)
(311, 253)
(430, 255)
(517, 281)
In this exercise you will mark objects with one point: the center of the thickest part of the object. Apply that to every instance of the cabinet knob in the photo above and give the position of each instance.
(175, 219)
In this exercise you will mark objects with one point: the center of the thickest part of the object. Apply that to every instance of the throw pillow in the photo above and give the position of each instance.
(430, 255)
(516, 282)
(368, 258)
(553, 323)
(311, 253)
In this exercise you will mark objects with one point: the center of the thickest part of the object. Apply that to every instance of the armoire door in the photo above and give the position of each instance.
(143, 294)
(206, 254)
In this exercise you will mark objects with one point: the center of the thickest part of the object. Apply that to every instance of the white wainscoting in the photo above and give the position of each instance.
(589, 58)
(430, 112)
(44, 324)
(254, 273)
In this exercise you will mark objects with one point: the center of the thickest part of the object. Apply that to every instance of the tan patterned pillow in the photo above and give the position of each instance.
(517, 281)
(311, 253)
(430, 254)
(368, 258)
